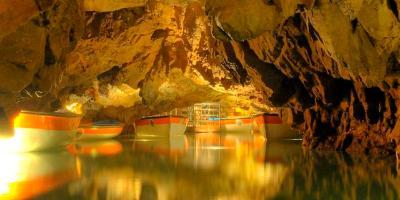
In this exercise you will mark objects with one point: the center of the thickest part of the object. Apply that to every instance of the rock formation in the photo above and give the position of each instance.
(332, 63)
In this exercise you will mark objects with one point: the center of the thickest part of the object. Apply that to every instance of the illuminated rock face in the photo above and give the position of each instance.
(35, 37)
(334, 63)
(338, 62)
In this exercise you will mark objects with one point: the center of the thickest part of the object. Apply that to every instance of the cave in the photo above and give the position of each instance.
(146, 99)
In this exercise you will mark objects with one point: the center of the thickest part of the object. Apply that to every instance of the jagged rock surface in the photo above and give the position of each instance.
(334, 64)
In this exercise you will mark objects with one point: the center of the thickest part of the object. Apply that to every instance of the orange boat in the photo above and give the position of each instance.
(272, 126)
(161, 126)
(39, 130)
(100, 131)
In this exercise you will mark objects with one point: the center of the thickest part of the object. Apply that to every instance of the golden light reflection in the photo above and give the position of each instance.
(27, 175)
(237, 158)
(74, 107)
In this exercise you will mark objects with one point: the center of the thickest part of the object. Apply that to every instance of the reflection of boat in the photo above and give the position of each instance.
(161, 125)
(39, 130)
(174, 145)
(272, 126)
(28, 175)
(100, 130)
(96, 147)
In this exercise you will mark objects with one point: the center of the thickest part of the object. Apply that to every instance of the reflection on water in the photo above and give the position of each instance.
(202, 166)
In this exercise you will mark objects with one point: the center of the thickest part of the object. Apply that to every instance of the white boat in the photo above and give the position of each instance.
(161, 126)
(272, 126)
(35, 131)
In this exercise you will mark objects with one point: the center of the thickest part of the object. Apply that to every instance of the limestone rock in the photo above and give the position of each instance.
(334, 64)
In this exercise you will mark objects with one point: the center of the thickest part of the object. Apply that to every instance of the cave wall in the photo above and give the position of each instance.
(338, 61)
(333, 63)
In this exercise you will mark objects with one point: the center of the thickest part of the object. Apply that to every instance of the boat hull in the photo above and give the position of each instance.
(161, 126)
(240, 125)
(272, 126)
(30, 139)
(39, 131)
(210, 126)
(100, 132)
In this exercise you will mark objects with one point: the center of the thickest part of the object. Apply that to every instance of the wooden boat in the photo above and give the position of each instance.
(161, 126)
(272, 126)
(40, 130)
(100, 130)
(237, 125)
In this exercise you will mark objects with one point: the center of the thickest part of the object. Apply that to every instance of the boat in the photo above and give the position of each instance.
(225, 125)
(161, 126)
(100, 130)
(236, 124)
(35, 131)
(272, 126)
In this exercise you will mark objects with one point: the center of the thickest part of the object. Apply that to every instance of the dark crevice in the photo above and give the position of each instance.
(314, 34)
(393, 66)
(393, 7)
(317, 3)
(324, 130)
(376, 104)
(278, 46)
(303, 42)
(109, 76)
(159, 33)
(71, 35)
(346, 142)
(336, 89)
(55, 105)
(302, 94)
(354, 24)
(49, 58)
(283, 87)
(269, 2)
(358, 110)
(233, 65)
(393, 111)
(297, 21)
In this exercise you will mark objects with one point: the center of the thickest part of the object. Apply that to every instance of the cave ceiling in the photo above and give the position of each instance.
(332, 63)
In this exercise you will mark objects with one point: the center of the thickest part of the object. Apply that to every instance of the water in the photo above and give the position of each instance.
(205, 166)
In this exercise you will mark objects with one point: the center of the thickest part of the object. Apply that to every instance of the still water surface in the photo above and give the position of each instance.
(203, 166)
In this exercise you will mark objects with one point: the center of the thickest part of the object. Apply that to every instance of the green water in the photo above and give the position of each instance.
(205, 166)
